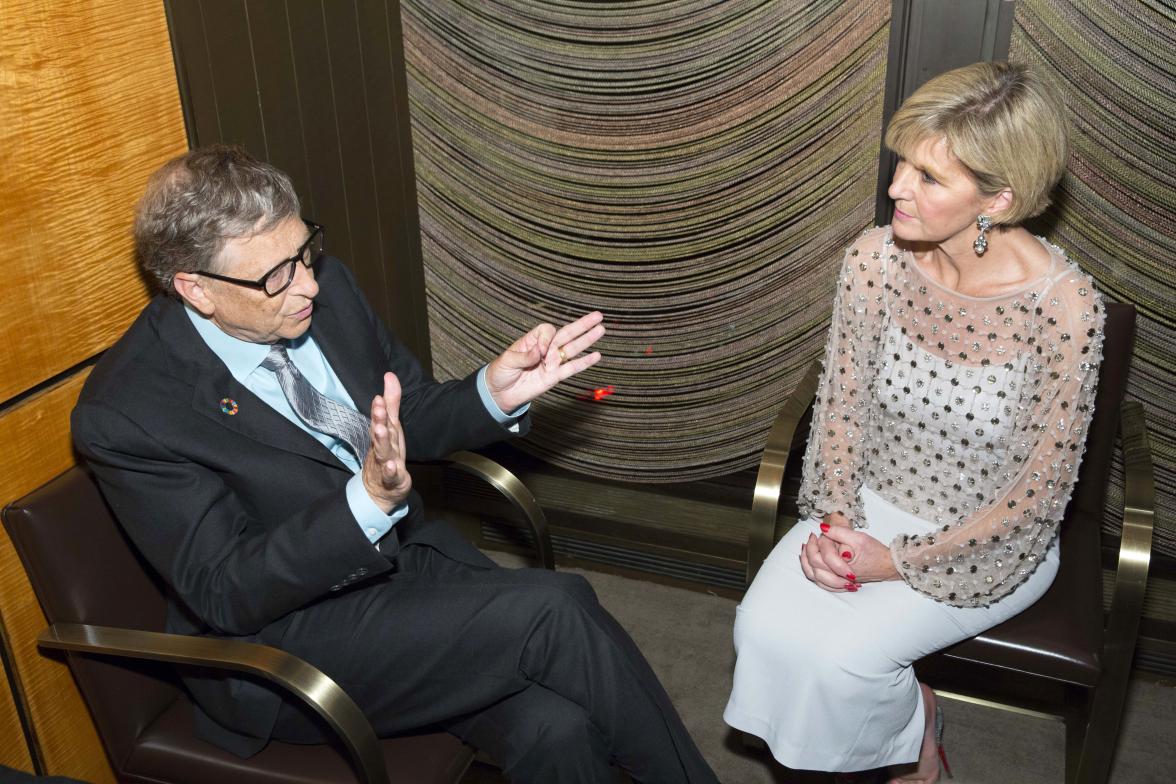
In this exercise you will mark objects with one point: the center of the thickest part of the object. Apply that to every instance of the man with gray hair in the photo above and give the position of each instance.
(250, 432)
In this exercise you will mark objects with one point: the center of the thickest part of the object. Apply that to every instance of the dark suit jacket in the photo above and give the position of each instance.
(244, 515)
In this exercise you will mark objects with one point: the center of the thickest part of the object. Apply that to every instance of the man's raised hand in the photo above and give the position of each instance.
(541, 359)
(384, 474)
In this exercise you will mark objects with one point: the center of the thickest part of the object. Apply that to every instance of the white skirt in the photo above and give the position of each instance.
(826, 678)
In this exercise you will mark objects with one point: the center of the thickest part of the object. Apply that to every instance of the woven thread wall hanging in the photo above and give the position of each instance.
(1115, 211)
(691, 169)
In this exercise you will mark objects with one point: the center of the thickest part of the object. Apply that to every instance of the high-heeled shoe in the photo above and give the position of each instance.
(941, 762)
(939, 741)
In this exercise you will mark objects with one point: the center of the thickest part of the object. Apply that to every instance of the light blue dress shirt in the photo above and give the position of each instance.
(243, 360)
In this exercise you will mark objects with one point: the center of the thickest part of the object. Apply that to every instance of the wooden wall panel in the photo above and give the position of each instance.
(90, 108)
(35, 435)
(37, 448)
(14, 753)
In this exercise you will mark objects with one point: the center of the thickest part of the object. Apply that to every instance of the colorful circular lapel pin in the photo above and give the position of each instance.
(229, 406)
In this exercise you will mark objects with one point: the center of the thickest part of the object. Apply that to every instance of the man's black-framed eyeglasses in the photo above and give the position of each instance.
(279, 278)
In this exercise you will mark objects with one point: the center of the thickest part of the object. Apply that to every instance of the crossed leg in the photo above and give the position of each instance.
(441, 642)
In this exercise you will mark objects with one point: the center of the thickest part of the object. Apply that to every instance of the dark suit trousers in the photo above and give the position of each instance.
(524, 664)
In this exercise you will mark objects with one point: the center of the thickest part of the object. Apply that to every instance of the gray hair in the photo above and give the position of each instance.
(197, 202)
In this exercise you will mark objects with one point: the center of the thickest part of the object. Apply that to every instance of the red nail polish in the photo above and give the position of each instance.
(824, 527)
(854, 588)
(852, 576)
(847, 555)
(849, 586)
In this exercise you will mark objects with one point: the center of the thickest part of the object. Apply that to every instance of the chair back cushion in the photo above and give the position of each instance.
(84, 570)
(1085, 512)
(1060, 636)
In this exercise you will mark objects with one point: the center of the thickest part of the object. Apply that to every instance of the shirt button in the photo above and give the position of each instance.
(373, 531)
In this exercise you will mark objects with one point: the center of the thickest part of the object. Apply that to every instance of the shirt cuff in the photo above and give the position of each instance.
(509, 421)
(371, 518)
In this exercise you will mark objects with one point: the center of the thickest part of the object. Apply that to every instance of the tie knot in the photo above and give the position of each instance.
(276, 358)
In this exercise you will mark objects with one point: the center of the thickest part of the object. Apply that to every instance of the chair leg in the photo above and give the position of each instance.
(1122, 632)
(1077, 716)
(1092, 730)
(1106, 712)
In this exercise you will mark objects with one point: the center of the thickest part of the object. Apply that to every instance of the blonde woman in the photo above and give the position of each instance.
(958, 384)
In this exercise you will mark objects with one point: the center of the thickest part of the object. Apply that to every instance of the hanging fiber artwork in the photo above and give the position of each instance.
(692, 169)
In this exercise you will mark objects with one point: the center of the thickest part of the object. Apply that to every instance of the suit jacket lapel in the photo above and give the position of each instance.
(219, 397)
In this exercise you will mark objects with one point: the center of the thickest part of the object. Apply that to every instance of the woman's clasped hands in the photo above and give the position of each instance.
(842, 558)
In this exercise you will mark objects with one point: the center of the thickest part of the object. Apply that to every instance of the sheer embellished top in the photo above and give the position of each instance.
(968, 412)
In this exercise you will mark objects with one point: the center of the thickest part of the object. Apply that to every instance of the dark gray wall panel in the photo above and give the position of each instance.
(317, 88)
(928, 37)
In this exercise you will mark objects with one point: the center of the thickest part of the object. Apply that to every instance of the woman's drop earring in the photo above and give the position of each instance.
(984, 223)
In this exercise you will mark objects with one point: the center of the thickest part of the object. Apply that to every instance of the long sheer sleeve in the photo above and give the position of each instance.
(1022, 486)
(833, 458)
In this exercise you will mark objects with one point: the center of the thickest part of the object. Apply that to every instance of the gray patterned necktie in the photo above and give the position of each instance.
(315, 408)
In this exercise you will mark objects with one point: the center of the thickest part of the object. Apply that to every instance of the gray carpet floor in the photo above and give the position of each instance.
(686, 635)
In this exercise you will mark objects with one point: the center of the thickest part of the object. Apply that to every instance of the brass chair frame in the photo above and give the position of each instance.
(516, 492)
(1093, 759)
(289, 672)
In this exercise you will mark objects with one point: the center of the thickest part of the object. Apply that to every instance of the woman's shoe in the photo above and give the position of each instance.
(939, 740)
(910, 773)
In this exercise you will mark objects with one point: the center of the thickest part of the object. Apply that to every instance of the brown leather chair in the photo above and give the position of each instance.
(106, 609)
(1059, 649)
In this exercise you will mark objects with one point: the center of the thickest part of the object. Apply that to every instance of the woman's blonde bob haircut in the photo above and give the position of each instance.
(1004, 122)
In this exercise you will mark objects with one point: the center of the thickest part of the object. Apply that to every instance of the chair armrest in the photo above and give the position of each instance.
(1139, 501)
(761, 532)
(1122, 631)
(290, 672)
(516, 492)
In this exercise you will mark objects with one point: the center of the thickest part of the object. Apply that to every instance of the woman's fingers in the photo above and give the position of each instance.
(813, 566)
(869, 560)
(833, 561)
(805, 566)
